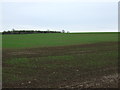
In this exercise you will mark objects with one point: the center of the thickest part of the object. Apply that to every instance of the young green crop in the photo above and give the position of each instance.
(46, 40)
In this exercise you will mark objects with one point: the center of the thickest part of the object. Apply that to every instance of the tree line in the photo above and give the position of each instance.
(30, 31)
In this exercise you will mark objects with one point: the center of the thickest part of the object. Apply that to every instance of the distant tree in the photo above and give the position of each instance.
(48, 31)
(68, 32)
(13, 29)
(63, 31)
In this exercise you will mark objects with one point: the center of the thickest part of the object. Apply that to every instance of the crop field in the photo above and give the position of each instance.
(60, 60)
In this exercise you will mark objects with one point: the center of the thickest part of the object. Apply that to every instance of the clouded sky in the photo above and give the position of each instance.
(73, 16)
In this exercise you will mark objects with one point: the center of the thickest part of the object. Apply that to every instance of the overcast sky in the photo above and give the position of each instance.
(73, 16)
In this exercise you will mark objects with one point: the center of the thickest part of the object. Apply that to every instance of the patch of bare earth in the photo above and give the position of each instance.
(108, 81)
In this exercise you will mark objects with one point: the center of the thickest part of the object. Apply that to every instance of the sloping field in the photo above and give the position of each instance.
(57, 39)
(82, 64)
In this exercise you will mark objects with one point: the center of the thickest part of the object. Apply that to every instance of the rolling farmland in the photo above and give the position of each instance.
(60, 60)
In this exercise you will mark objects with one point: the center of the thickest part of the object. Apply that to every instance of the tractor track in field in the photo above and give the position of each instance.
(52, 51)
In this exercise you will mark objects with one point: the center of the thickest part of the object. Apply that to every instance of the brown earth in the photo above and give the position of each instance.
(106, 77)
(49, 51)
